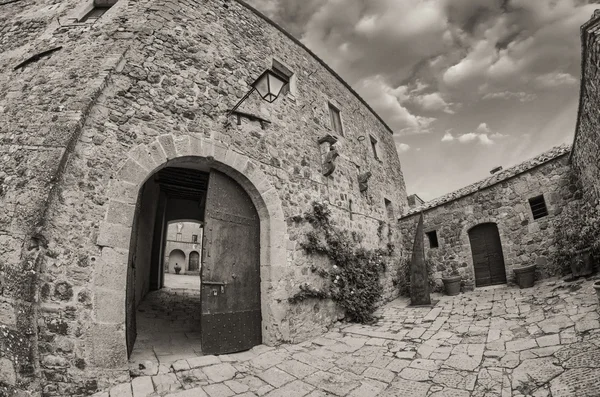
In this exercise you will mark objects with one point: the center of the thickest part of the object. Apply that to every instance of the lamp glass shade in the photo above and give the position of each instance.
(269, 85)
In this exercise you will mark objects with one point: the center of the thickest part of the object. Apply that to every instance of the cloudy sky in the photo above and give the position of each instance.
(466, 85)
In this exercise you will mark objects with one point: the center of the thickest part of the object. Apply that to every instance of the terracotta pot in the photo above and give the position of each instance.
(597, 288)
(582, 264)
(525, 276)
(452, 285)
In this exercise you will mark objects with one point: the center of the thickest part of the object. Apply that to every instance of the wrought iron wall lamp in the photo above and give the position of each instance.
(269, 86)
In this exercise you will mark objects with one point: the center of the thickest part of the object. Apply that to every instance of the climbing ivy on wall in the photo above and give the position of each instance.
(354, 280)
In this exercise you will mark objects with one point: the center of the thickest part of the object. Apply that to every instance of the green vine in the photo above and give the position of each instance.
(353, 281)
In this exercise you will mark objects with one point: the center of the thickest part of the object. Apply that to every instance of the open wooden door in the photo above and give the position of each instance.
(230, 271)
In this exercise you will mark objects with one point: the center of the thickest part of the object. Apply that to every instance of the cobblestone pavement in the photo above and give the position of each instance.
(542, 341)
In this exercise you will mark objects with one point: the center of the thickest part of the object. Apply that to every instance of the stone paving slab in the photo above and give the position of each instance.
(501, 342)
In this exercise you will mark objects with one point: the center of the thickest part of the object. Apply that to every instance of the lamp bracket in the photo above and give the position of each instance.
(251, 117)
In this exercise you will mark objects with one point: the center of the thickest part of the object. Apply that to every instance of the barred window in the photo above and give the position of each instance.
(538, 207)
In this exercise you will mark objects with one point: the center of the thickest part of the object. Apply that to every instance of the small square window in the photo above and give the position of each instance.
(194, 238)
(538, 207)
(374, 146)
(99, 8)
(336, 120)
(178, 237)
(433, 240)
(389, 208)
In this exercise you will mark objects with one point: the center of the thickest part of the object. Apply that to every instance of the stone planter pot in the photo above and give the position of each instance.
(597, 288)
(525, 276)
(177, 270)
(452, 285)
(468, 286)
(582, 264)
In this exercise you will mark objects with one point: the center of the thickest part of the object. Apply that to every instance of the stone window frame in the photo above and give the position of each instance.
(75, 16)
(331, 105)
(546, 207)
(435, 241)
(375, 148)
(280, 67)
(389, 209)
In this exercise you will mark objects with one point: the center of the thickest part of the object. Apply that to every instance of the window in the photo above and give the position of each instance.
(538, 207)
(433, 240)
(99, 8)
(389, 208)
(178, 237)
(374, 146)
(194, 238)
(280, 69)
(336, 120)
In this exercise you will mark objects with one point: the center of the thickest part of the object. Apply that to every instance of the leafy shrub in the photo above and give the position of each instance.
(354, 279)
(577, 228)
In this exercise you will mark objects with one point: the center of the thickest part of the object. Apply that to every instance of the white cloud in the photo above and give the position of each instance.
(509, 95)
(482, 134)
(403, 147)
(554, 79)
(388, 101)
(447, 137)
(433, 102)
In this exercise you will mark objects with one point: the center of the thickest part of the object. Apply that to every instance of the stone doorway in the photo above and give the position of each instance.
(174, 315)
(488, 258)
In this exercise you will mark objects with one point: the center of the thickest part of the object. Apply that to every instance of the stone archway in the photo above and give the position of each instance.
(115, 232)
(176, 257)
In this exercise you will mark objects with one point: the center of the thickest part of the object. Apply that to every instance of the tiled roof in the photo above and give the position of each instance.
(508, 173)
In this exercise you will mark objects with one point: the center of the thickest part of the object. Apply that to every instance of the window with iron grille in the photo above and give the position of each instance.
(336, 120)
(194, 238)
(433, 240)
(538, 207)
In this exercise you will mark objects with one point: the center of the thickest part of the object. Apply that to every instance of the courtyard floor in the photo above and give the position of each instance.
(500, 342)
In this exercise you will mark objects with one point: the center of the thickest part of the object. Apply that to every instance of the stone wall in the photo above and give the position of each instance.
(586, 146)
(157, 77)
(501, 199)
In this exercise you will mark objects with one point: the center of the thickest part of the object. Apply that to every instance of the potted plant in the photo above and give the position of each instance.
(451, 279)
(577, 243)
(177, 268)
(525, 276)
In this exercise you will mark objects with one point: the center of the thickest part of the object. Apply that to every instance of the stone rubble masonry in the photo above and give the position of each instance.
(503, 200)
(586, 145)
(81, 129)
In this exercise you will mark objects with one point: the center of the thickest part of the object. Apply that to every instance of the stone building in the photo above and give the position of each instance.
(183, 246)
(114, 122)
(486, 229)
(586, 146)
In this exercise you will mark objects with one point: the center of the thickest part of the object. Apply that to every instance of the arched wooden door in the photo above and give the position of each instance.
(194, 261)
(488, 259)
(231, 317)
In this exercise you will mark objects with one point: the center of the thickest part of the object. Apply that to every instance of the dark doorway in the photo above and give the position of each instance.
(220, 311)
(488, 259)
(194, 264)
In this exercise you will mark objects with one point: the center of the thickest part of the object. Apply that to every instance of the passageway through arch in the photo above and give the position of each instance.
(194, 274)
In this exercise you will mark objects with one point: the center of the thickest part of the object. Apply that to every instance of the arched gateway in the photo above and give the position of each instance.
(229, 303)
(241, 213)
